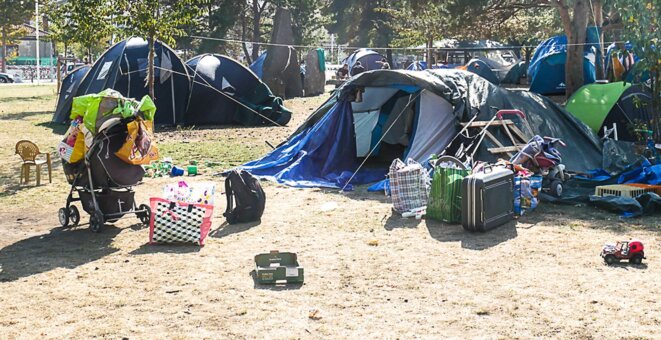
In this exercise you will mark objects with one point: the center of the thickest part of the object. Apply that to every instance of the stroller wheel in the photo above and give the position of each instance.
(556, 188)
(74, 215)
(63, 216)
(96, 221)
(145, 215)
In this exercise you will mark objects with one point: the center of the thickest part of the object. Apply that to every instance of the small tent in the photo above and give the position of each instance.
(123, 67)
(602, 105)
(379, 116)
(223, 91)
(367, 58)
(546, 71)
(483, 70)
(257, 66)
(68, 89)
(417, 66)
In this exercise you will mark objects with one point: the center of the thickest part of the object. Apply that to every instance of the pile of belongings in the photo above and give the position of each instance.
(93, 113)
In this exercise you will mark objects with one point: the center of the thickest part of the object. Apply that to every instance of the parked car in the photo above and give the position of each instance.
(6, 78)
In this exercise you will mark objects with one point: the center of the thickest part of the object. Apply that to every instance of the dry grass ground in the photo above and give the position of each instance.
(369, 274)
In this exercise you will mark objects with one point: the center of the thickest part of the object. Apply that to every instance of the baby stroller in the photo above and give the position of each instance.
(103, 182)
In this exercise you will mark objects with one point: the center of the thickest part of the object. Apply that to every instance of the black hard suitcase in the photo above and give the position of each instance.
(487, 199)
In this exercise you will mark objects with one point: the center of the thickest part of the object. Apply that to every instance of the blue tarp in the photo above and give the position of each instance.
(547, 66)
(323, 155)
(257, 66)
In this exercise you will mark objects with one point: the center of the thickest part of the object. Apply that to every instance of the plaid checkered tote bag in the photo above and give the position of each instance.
(179, 222)
(409, 185)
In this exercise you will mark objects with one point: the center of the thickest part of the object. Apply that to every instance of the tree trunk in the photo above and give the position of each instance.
(150, 72)
(430, 44)
(256, 27)
(4, 49)
(389, 57)
(244, 46)
(599, 18)
(574, 27)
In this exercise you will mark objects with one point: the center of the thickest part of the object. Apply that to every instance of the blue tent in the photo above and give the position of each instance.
(408, 114)
(546, 71)
(483, 70)
(367, 58)
(68, 89)
(257, 66)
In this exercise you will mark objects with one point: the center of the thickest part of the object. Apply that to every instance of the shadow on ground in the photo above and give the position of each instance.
(472, 240)
(227, 229)
(178, 248)
(60, 248)
(57, 128)
(23, 115)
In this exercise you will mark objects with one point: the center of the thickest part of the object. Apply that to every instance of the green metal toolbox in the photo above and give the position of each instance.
(277, 267)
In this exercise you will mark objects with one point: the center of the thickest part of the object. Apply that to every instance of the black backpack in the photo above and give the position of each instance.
(244, 190)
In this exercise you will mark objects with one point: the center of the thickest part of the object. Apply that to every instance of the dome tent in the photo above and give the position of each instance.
(602, 105)
(367, 58)
(546, 71)
(123, 67)
(68, 88)
(223, 91)
(408, 114)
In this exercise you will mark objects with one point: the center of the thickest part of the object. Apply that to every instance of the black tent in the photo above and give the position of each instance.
(223, 91)
(123, 67)
(68, 88)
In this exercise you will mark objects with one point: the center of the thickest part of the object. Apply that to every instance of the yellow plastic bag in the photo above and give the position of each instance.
(139, 148)
(72, 147)
(78, 148)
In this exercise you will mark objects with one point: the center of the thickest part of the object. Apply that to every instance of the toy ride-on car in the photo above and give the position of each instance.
(623, 250)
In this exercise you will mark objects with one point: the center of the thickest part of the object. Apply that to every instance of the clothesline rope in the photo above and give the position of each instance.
(507, 47)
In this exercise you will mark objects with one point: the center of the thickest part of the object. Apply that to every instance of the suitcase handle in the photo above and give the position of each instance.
(454, 160)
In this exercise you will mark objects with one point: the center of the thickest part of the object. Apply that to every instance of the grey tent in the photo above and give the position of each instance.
(383, 115)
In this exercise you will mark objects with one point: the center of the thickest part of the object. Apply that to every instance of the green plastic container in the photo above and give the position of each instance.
(276, 267)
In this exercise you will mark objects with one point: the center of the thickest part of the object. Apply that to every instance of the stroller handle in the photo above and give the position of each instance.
(502, 113)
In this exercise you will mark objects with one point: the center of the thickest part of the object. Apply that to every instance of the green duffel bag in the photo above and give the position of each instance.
(445, 195)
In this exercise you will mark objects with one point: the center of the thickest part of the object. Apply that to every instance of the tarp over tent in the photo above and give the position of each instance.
(546, 71)
(68, 89)
(601, 105)
(367, 58)
(409, 114)
(223, 91)
(123, 67)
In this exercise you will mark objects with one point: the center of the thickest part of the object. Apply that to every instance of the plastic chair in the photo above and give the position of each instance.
(28, 152)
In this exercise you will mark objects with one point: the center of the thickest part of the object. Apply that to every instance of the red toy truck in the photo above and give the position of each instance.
(632, 250)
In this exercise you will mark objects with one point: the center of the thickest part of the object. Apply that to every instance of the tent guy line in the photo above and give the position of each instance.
(209, 86)
(379, 48)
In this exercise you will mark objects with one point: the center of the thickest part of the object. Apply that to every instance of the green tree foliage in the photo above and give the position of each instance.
(12, 14)
(87, 23)
(158, 20)
(365, 23)
(641, 27)
(307, 20)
